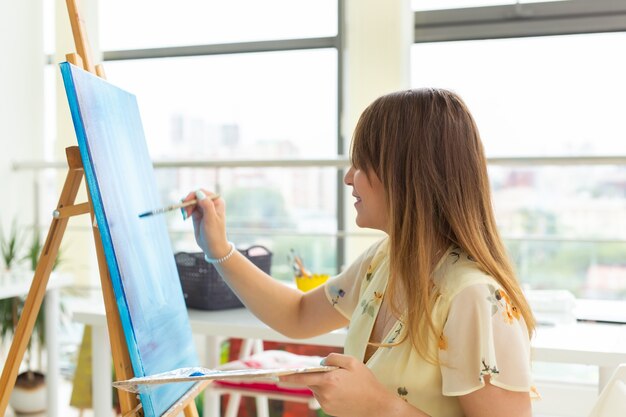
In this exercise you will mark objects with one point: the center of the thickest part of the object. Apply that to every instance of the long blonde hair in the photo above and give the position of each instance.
(425, 148)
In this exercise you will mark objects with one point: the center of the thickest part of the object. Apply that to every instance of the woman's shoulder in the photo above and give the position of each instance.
(457, 271)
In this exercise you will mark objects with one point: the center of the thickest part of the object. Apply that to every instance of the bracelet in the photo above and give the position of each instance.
(223, 258)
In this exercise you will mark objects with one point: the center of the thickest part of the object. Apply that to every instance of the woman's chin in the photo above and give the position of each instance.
(364, 224)
(360, 223)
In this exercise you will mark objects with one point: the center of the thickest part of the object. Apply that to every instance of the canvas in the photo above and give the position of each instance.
(138, 251)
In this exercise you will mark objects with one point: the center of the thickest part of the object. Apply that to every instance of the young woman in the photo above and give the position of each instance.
(438, 323)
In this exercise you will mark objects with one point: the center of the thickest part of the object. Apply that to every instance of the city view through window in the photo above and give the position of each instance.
(243, 107)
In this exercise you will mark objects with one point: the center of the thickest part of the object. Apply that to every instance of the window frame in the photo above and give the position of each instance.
(520, 20)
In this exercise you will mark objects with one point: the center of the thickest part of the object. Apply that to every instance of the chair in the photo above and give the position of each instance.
(261, 392)
(612, 399)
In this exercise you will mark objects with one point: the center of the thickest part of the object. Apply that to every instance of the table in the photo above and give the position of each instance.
(601, 345)
(9, 288)
(584, 343)
(214, 325)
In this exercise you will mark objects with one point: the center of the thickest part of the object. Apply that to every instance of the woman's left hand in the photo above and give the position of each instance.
(352, 390)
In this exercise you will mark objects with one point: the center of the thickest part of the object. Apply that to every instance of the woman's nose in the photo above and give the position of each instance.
(347, 179)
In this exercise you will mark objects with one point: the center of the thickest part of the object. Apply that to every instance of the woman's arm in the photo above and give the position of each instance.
(485, 339)
(287, 310)
(495, 402)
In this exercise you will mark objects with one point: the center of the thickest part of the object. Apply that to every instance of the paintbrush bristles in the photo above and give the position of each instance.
(175, 206)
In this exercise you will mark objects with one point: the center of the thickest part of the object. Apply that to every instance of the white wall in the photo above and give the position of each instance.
(378, 38)
(22, 122)
(22, 126)
(21, 104)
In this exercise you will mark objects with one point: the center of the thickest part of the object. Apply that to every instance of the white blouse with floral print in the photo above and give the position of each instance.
(481, 333)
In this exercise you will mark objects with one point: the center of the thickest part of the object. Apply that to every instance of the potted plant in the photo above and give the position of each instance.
(29, 394)
(10, 247)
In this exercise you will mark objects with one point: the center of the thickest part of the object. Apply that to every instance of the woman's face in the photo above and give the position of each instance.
(370, 197)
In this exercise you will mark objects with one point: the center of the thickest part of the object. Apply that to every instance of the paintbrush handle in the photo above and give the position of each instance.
(181, 205)
(176, 206)
(172, 207)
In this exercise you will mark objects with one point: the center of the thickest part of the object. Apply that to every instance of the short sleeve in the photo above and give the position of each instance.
(484, 335)
(343, 290)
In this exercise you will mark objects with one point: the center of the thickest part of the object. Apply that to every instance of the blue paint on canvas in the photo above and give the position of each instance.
(138, 251)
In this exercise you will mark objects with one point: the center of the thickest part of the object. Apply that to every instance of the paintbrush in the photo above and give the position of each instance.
(181, 206)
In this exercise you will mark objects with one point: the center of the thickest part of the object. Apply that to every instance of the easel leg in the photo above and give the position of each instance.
(122, 364)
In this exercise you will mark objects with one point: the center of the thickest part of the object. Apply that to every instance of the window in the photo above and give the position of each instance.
(549, 112)
(531, 96)
(216, 104)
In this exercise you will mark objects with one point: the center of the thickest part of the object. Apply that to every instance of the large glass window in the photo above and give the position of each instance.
(542, 96)
(533, 98)
(564, 226)
(255, 106)
(246, 106)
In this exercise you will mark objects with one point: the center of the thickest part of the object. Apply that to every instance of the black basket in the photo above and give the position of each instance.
(204, 288)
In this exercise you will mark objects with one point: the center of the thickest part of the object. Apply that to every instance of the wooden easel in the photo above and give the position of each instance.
(66, 208)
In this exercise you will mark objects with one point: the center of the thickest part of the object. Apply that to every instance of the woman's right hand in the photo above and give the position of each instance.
(209, 223)
(279, 306)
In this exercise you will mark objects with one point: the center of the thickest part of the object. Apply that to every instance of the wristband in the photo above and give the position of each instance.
(223, 258)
